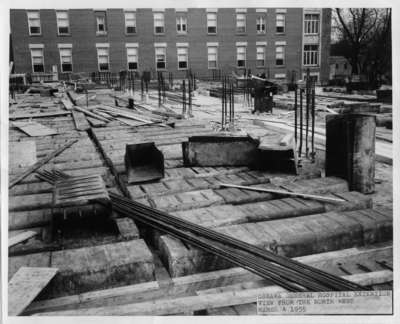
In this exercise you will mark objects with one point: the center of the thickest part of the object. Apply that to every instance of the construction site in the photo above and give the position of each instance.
(156, 193)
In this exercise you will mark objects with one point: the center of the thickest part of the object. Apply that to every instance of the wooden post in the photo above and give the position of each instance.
(350, 150)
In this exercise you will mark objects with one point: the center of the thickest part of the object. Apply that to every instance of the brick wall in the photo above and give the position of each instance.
(83, 38)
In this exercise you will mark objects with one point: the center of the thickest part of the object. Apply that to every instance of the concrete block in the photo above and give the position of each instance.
(219, 151)
(99, 267)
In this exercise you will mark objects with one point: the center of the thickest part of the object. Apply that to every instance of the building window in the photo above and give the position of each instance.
(159, 23)
(345, 66)
(280, 23)
(132, 58)
(311, 24)
(241, 56)
(103, 58)
(101, 23)
(62, 22)
(34, 23)
(181, 25)
(260, 56)
(212, 57)
(241, 23)
(337, 66)
(182, 58)
(261, 25)
(161, 58)
(280, 55)
(310, 55)
(37, 59)
(130, 22)
(66, 59)
(211, 23)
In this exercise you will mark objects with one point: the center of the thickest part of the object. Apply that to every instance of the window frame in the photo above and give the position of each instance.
(281, 19)
(130, 19)
(165, 57)
(101, 14)
(108, 58)
(210, 14)
(58, 23)
(186, 54)
(163, 23)
(309, 55)
(283, 53)
(61, 61)
(42, 57)
(30, 22)
(263, 22)
(264, 51)
(237, 56)
(243, 19)
(311, 24)
(216, 57)
(136, 55)
(179, 22)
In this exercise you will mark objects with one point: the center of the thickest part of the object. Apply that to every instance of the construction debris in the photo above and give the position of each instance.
(170, 188)
(25, 285)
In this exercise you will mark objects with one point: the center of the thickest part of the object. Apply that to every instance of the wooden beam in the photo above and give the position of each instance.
(90, 114)
(192, 283)
(39, 115)
(286, 193)
(20, 237)
(190, 304)
(41, 162)
(25, 285)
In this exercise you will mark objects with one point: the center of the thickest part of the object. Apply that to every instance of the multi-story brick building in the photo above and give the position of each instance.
(270, 40)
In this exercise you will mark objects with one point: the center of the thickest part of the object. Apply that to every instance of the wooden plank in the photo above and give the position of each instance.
(95, 122)
(90, 114)
(40, 163)
(80, 121)
(286, 193)
(201, 281)
(204, 301)
(34, 129)
(38, 115)
(25, 285)
(67, 103)
(20, 237)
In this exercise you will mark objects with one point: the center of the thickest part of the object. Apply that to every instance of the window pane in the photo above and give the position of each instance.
(131, 50)
(103, 66)
(66, 67)
(102, 51)
(33, 14)
(132, 66)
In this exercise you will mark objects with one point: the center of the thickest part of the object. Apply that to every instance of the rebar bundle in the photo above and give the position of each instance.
(285, 272)
(304, 129)
(228, 104)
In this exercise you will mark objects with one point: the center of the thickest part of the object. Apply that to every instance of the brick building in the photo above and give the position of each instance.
(278, 42)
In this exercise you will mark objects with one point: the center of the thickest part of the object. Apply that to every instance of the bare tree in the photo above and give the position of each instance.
(359, 29)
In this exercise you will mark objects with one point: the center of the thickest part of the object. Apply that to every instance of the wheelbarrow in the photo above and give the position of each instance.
(143, 162)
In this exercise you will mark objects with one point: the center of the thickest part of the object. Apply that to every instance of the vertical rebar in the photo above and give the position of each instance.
(190, 95)
(301, 121)
(226, 99)
(223, 104)
(313, 123)
(295, 114)
(307, 109)
(184, 98)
